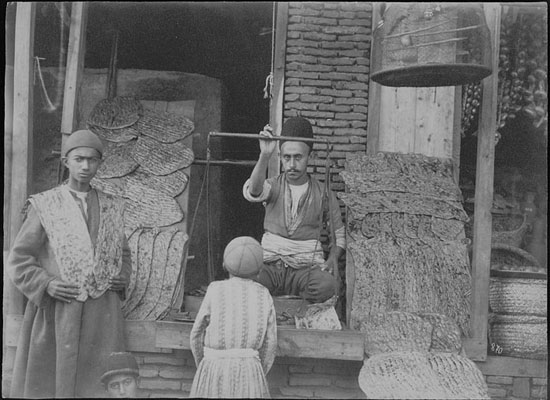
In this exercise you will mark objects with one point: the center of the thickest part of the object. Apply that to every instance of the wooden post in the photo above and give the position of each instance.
(373, 115)
(457, 134)
(8, 120)
(481, 261)
(22, 146)
(279, 59)
(75, 65)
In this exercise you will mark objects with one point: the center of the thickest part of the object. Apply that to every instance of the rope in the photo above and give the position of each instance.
(268, 88)
(50, 106)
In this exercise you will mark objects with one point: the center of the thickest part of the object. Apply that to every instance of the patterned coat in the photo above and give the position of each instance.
(233, 340)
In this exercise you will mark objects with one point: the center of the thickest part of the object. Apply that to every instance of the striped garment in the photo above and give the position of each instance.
(233, 340)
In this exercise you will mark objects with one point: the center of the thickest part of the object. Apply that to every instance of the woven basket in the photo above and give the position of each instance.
(523, 336)
(508, 229)
(518, 296)
(505, 257)
(512, 237)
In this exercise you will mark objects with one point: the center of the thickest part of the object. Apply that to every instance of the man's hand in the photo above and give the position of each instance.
(118, 283)
(267, 146)
(62, 291)
(330, 265)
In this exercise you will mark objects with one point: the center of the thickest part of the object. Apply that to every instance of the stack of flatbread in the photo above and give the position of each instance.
(144, 160)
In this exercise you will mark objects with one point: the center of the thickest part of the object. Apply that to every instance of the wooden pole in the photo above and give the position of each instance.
(279, 60)
(8, 120)
(22, 143)
(457, 134)
(373, 116)
(481, 260)
(74, 69)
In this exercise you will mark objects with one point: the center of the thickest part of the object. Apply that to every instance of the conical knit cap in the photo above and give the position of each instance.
(82, 138)
(243, 257)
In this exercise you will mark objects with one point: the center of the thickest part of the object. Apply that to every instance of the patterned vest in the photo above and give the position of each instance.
(78, 261)
(308, 221)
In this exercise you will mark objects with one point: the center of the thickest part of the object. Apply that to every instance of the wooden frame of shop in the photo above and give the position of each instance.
(163, 336)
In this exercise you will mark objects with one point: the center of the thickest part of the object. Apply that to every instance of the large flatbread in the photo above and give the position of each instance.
(172, 184)
(164, 126)
(170, 280)
(145, 257)
(146, 207)
(158, 266)
(133, 243)
(117, 160)
(161, 158)
(112, 186)
(118, 112)
(115, 135)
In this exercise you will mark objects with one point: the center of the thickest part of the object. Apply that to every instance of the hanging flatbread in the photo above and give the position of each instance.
(164, 126)
(145, 257)
(158, 266)
(170, 279)
(133, 243)
(117, 160)
(146, 207)
(172, 184)
(118, 112)
(161, 158)
(115, 135)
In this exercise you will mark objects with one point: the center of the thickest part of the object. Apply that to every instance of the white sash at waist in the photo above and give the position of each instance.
(214, 354)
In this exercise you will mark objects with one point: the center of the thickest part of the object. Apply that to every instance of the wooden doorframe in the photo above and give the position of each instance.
(280, 24)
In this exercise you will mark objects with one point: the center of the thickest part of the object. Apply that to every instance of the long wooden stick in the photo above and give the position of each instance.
(256, 136)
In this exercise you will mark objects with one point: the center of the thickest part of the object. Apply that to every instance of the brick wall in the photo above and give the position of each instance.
(516, 387)
(171, 375)
(327, 77)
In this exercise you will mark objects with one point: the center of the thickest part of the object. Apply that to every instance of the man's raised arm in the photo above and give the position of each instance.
(257, 178)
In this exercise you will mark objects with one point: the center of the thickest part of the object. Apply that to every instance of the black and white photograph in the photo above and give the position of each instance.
(290, 200)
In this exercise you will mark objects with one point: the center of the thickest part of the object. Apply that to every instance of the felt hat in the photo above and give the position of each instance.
(120, 363)
(82, 138)
(243, 257)
(297, 127)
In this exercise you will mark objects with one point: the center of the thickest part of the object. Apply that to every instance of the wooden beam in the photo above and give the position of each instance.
(160, 336)
(280, 24)
(333, 345)
(22, 143)
(482, 231)
(511, 366)
(337, 345)
(75, 66)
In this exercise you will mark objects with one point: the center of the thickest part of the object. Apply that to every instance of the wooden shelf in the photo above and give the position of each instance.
(163, 336)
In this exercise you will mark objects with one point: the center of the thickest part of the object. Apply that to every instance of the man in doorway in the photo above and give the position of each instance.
(72, 262)
(295, 203)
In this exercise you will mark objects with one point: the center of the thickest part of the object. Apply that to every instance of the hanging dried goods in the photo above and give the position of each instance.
(523, 83)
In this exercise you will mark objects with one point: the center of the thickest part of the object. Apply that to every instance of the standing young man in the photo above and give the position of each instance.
(294, 204)
(72, 262)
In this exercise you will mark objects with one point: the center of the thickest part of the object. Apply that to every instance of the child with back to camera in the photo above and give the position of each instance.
(234, 336)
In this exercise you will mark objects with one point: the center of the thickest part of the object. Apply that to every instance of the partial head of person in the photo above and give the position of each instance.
(121, 376)
(295, 154)
(81, 153)
(243, 257)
